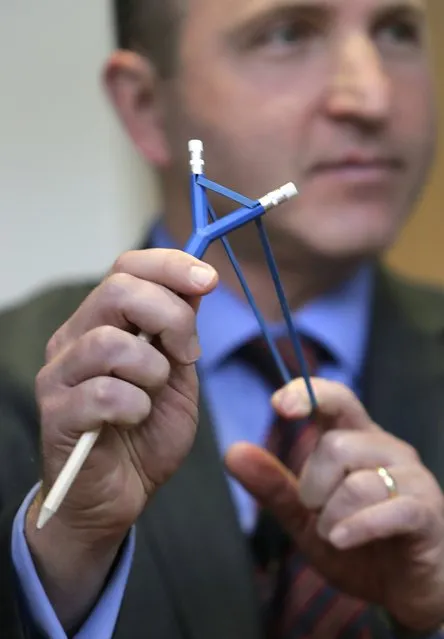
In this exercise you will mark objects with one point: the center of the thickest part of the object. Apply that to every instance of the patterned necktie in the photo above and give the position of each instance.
(297, 601)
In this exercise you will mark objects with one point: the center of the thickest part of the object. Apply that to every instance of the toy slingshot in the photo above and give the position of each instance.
(207, 228)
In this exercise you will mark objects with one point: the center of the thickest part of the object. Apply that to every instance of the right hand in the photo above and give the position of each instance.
(145, 395)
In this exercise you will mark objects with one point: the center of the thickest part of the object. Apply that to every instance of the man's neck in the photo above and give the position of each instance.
(302, 282)
(303, 277)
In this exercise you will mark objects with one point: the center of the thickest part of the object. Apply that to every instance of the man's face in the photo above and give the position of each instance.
(335, 95)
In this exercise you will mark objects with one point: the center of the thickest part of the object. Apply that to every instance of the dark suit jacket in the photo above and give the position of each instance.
(192, 576)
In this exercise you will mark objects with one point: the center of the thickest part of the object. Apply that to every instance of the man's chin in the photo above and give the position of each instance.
(341, 236)
(353, 243)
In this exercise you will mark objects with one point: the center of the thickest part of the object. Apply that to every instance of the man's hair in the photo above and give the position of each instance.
(151, 28)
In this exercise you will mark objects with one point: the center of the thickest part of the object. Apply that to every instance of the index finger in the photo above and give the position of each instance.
(139, 281)
(337, 406)
(172, 268)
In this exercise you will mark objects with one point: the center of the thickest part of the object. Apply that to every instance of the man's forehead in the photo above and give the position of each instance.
(247, 8)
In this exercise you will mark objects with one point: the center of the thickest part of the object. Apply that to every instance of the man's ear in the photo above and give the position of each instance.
(132, 85)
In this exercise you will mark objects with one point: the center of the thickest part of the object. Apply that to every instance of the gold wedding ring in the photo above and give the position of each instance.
(388, 480)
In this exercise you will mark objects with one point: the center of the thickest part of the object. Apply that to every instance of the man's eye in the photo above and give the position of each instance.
(399, 33)
(285, 34)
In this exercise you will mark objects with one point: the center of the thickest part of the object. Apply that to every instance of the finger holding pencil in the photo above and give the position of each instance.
(71, 469)
(118, 404)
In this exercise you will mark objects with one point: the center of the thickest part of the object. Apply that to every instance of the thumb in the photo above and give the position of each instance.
(270, 482)
(337, 406)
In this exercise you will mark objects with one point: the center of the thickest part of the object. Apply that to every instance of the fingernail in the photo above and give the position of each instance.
(193, 350)
(201, 275)
(339, 537)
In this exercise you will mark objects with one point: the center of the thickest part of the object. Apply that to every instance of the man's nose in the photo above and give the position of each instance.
(359, 88)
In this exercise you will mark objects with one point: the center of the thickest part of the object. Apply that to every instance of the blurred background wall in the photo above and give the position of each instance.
(73, 194)
(420, 250)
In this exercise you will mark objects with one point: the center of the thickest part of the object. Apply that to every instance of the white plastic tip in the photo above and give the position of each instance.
(196, 156)
(195, 146)
(278, 197)
(44, 516)
(289, 190)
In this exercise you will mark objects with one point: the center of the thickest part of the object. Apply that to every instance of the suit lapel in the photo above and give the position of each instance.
(194, 537)
(404, 379)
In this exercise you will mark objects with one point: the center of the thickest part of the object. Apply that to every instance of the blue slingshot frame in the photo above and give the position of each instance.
(207, 228)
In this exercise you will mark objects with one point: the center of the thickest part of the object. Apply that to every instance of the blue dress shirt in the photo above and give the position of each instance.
(339, 321)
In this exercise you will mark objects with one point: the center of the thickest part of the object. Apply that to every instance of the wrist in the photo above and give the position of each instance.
(73, 567)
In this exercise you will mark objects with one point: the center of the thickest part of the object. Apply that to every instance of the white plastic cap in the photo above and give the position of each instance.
(279, 196)
(196, 156)
(195, 146)
(289, 190)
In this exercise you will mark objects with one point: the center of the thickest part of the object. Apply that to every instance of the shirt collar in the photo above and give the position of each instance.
(339, 320)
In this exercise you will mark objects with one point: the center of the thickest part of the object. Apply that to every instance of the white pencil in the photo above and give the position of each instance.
(69, 472)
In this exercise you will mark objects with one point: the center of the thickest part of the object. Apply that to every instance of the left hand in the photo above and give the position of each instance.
(385, 549)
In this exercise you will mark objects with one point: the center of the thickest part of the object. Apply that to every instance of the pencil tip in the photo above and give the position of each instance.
(44, 516)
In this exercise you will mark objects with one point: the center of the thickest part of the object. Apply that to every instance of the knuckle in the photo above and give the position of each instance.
(162, 371)
(105, 342)
(182, 317)
(104, 396)
(123, 262)
(144, 406)
(415, 516)
(333, 445)
(53, 346)
(117, 286)
(355, 488)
